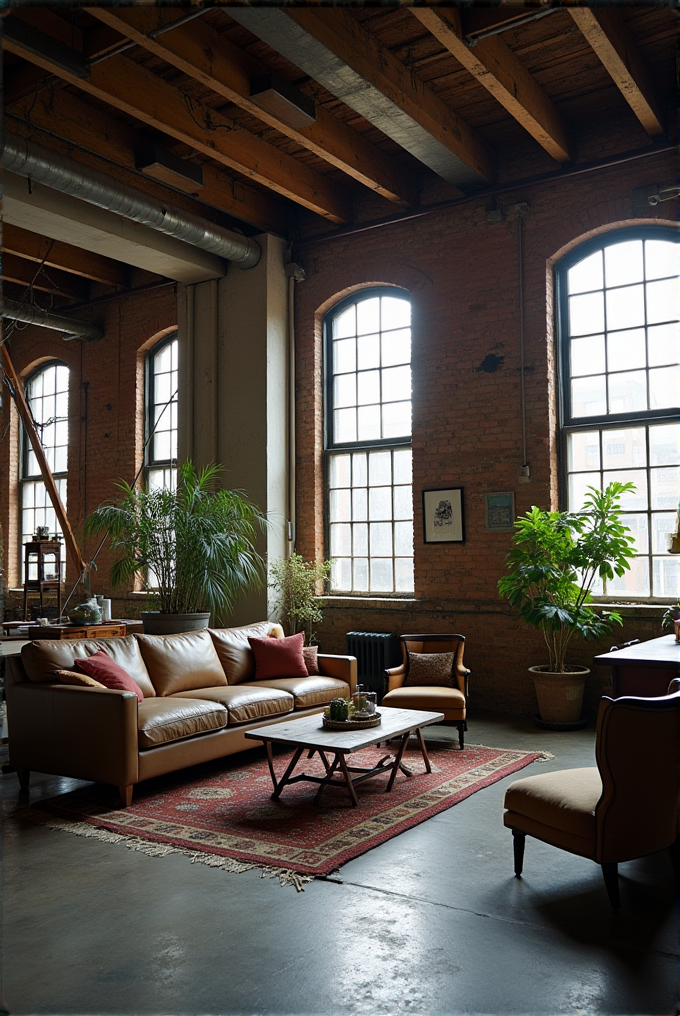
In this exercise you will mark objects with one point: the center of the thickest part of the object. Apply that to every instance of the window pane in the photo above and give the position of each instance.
(359, 504)
(360, 537)
(396, 419)
(379, 468)
(368, 387)
(662, 258)
(632, 583)
(396, 313)
(162, 445)
(664, 444)
(628, 392)
(344, 356)
(162, 361)
(359, 469)
(664, 387)
(626, 350)
(583, 450)
(396, 384)
(379, 503)
(403, 538)
(403, 575)
(368, 352)
(639, 530)
(341, 540)
(396, 348)
(663, 302)
(663, 343)
(586, 314)
(344, 324)
(621, 448)
(345, 390)
(340, 471)
(586, 275)
(381, 539)
(368, 316)
(341, 573)
(162, 390)
(403, 502)
(381, 575)
(588, 396)
(626, 307)
(666, 575)
(360, 584)
(340, 506)
(663, 523)
(369, 423)
(345, 425)
(402, 460)
(623, 263)
(637, 499)
(587, 356)
(578, 488)
(665, 487)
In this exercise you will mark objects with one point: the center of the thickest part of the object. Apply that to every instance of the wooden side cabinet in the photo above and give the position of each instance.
(645, 669)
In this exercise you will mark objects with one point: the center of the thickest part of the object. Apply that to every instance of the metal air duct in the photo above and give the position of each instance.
(71, 328)
(66, 175)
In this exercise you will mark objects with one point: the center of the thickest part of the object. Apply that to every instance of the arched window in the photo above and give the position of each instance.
(161, 414)
(46, 391)
(368, 442)
(619, 318)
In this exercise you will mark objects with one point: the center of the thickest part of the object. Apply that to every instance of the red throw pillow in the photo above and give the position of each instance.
(279, 657)
(109, 673)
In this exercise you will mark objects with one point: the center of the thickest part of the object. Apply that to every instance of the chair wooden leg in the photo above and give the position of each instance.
(518, 840)
(610, 870)
(24, 778)
(125, 795)
(462, 727)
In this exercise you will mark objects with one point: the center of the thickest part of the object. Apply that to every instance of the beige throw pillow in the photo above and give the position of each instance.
(73, 677)
(433, 669)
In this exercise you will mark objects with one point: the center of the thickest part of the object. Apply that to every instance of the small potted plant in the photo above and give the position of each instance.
(295, 583)
(554, 562)
(193, 547)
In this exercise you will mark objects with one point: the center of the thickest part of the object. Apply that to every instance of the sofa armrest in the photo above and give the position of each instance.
(344, 668)
(87, 733)
(395, 677)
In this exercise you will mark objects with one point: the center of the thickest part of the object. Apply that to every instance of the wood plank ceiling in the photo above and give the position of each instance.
(409, 106)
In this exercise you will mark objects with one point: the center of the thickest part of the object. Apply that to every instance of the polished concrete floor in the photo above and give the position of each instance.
(431, 922)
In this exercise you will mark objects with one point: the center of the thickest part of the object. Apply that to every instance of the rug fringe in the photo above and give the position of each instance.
(286, 876)
(543, 756)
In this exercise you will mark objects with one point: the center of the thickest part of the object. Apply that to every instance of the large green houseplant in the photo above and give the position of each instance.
(193, 547)
(552, 567)
(295, 583)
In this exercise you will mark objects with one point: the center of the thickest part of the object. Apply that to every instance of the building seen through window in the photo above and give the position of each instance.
(620, 330)
(368, 440)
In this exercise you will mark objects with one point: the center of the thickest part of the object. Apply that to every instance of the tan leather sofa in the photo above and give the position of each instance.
(200, 697)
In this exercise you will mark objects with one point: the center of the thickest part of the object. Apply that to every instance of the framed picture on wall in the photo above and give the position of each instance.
(500, 511)
(443, 515)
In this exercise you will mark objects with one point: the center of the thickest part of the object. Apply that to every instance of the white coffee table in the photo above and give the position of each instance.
(308, 733)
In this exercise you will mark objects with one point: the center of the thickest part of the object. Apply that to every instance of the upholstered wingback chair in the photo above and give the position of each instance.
(625, 807)
(438, 684)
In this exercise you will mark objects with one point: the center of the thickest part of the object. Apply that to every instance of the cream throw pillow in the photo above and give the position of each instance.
(433, 669)
(73, 677)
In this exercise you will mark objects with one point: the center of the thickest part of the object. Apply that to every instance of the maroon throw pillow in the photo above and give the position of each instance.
(102, 668)
(278, 657)
(310, 656)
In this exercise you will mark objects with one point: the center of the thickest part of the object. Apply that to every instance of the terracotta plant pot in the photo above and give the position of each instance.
(156, 623)
(560, 696)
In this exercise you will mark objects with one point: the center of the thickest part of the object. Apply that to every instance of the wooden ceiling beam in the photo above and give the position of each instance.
(35, 248)
(136, 91)
(202, 54)
(99, 134)
(498, 70)
(48, 280)
(608, 35)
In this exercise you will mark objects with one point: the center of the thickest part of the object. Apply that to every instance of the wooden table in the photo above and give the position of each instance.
(645, 669)
(308, 733)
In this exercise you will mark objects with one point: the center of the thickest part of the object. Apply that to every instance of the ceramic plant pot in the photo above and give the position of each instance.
(560, 696)
(156, 623)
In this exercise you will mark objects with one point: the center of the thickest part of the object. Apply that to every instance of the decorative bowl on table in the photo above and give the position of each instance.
(86, 613)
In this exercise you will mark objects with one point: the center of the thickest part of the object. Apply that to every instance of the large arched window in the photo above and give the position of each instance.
(368, 442)
(46, 392)
(620, 360)
(161, 414)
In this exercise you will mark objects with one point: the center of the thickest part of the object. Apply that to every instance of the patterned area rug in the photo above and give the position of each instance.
(222, 813)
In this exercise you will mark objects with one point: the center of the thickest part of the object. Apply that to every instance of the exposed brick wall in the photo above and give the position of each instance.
(463, 276)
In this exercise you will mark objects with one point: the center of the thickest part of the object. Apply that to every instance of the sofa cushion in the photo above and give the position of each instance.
(310, 654)
(43, 657)
(246, 702)
(430, 670)
(279, 657)
(564, 800)
(450, 701)
(161, 720)
(309, 691)
(102, 668)
(181, 662)
(233, 648)
(76, 678)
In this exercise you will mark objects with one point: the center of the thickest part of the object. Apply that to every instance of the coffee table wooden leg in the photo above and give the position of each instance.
(397, 761)
(278, 787)
(426, 757)
(330, 769)
(348, 778)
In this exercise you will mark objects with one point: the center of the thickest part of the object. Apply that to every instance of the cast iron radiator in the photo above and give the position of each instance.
(376, 652)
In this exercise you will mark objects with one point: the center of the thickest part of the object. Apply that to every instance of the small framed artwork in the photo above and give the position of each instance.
(500, 511)
(443, 515)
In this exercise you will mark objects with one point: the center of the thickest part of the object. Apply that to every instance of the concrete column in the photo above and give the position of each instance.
(233, 391)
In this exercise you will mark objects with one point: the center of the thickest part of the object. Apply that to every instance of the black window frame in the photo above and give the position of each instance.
(151, 463)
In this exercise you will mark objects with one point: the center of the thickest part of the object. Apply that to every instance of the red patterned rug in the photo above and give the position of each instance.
(222, 813)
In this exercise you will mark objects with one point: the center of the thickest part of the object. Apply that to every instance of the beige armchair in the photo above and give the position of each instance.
(624, 808)
(439, 685)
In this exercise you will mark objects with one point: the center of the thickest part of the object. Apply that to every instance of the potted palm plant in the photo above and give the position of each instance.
(193, 547)
(554, 562)
(295, 585)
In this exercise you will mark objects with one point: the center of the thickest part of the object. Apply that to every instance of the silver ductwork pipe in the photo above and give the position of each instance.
(70, 328)
(42, 165)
